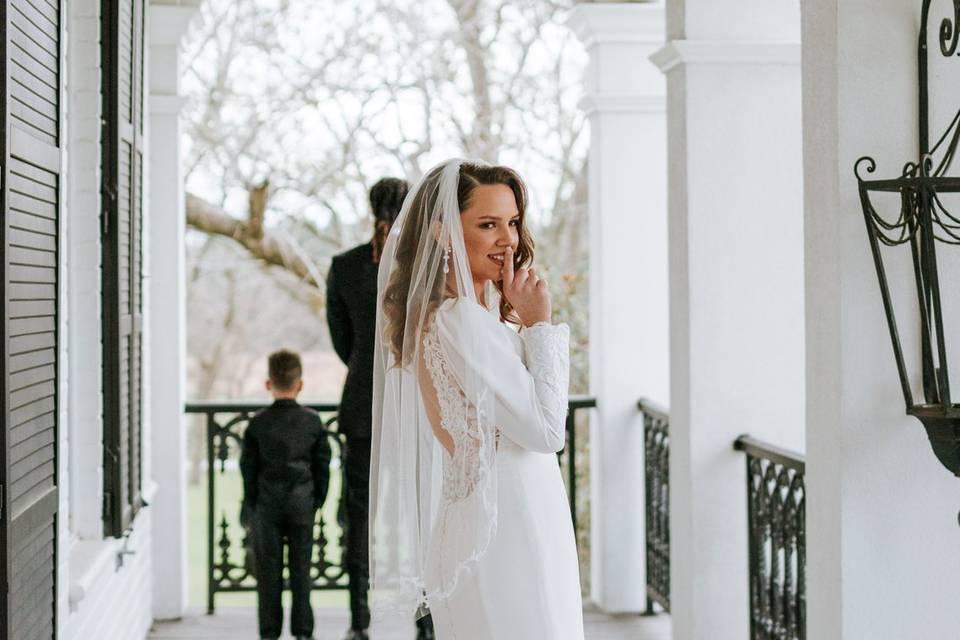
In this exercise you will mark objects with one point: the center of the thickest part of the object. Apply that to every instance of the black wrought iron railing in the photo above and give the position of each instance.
(229, 563)
(568, 457)
(777, 541)
(656, 438)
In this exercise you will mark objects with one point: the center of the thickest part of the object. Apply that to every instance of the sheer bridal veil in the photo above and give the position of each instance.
(424, 267)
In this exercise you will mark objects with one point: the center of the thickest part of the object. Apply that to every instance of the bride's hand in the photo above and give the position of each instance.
(525, 291)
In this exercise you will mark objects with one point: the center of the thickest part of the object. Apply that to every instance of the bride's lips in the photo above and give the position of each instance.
(496, 258)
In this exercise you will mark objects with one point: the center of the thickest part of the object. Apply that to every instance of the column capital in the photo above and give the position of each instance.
(618, 23)
(618, 38)
(730, 52)
(169, 20)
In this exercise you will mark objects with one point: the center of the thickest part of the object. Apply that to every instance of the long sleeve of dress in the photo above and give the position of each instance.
(530, 399)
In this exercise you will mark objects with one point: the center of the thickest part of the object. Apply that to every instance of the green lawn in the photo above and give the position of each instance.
(229, 490)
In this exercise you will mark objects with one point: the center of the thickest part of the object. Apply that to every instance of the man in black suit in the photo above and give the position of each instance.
(285, 463)
(351, 315)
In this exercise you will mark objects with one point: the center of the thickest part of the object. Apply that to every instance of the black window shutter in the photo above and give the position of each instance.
(29, 381)
(122, 160)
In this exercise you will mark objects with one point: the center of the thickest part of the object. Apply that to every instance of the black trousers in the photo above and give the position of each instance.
(269, 533)
(356, 507)
(356, 500)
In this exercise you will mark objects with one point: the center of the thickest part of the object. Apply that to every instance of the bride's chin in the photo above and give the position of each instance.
(492, 278)
(491, 275)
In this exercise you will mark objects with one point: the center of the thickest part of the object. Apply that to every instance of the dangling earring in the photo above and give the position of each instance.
(446, 260)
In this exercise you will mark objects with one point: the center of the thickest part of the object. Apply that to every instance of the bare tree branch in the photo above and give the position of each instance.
(469, 20)
(206, 217)
(258, 209)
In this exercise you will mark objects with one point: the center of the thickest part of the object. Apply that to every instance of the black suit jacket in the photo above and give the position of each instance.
(285, 460)
(352, 318)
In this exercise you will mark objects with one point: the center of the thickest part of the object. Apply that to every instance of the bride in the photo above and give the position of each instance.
(469, 517)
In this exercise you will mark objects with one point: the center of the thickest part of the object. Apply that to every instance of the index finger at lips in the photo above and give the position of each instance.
(506, 271)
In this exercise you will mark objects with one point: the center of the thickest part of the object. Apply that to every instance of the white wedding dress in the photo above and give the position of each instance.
(526, 585)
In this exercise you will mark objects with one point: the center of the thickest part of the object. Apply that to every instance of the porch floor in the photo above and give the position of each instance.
(241, 624)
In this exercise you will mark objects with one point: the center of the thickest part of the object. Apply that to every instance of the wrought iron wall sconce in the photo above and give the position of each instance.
(923, 225)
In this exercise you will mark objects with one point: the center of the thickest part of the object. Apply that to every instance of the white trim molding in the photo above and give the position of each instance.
(677, 52)
(623, 103)
(618, 23)
(168, 23)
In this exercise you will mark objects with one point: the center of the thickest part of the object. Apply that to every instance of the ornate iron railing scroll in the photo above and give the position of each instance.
(229, 565)
(656, 438)
(568, 456)
(777, 541)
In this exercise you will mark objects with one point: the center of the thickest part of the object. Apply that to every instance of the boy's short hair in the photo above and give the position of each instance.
(284, 369)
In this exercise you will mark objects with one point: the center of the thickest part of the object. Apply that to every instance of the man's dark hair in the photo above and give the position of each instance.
(386, 199)
(285, 369)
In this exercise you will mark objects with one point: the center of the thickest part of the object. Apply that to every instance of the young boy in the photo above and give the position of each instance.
(285, 464)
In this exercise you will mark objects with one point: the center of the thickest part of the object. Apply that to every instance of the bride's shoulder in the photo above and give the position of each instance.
(460, 304)
(464, 311)
(466, 326)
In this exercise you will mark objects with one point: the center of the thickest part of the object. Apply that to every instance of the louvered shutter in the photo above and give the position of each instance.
(122, 45)
(30, 389)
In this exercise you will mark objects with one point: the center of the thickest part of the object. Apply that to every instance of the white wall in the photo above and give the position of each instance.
(883, 546)
(63, 435)
(97, 597)
(116, 602)
(82, 214)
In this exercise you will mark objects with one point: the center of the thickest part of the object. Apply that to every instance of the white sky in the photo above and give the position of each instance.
(388, 48)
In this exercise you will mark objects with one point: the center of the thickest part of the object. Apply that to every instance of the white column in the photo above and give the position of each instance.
(736, 286)
(883, 544)
(167, 23)
(629, 356)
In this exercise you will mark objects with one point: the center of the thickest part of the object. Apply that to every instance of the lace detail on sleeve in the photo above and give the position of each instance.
(547, 351)
(463, 470)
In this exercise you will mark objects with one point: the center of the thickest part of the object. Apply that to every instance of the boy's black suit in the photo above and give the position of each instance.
(285, 463)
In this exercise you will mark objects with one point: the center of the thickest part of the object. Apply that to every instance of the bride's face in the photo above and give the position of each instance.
(491, 223)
